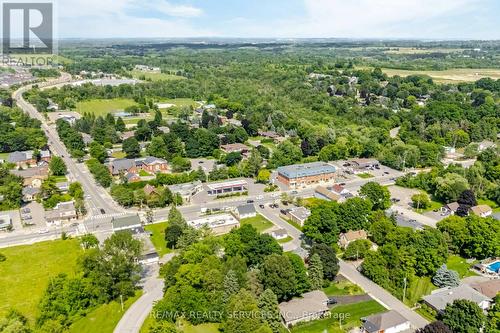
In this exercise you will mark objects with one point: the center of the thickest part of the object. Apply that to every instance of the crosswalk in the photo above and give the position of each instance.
(107, 216)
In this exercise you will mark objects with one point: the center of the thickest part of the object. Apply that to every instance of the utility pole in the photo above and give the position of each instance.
(121, 301)
(404, 290)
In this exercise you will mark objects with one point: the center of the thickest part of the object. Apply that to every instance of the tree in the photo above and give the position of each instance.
(322, 225)
(278, 275)
(244, 315)
(449, 187)
(315, 271)
(357, 249)
(157, 147)
(467, 198)
(254, 162)
(98, 151)
(421, 200)
(131, 147)
(120, 125)
(57, 166)
(231, 285)
(435, 327)
(377, 194)
(14, 322)
(329, 260)
(263, 176)
(463, 316)
(299, 268)
(89, 241)
(445, 277)
(268, 305)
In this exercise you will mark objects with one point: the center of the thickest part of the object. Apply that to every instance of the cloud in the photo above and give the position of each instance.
(177, 10)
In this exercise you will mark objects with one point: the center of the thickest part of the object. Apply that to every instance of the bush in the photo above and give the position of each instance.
(2, 257)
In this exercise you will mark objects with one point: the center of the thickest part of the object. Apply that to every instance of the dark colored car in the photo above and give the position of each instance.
(250, 201)
(102, 211)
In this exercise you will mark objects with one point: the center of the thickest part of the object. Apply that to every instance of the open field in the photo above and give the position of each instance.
(259, 222)
(412, 50)
(450, 75)
(179, 102)
(28, 269)
(351, 312)
(155, 76)
(158, 237)
(101, 107)
(104, 318)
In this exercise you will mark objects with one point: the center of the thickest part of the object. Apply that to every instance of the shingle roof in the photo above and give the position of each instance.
(121, 164)
(440, 299)
(246, 209)
(126, 222)
(383, 321)
(306, 170)
(488, 288)
(20, 156)
(311, 303)
(480, 209)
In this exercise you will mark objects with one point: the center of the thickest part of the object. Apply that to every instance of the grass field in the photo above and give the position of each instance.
(28, 269)
(101, 107)
(4, 156)
(417, 288)
(156, 76)
(179, 102)
(158, 237)
(459, 264)
(351, 314)
(119, 154)
(259, 222)
(450, 75)
(343, 288)
(365, 175)
(104, 318)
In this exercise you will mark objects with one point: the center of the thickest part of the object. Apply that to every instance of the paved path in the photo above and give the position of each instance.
(381, 295)
(132, 320)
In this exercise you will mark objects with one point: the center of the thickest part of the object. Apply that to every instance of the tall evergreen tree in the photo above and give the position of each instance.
(268, 305)
(315, 271)
(231, 285)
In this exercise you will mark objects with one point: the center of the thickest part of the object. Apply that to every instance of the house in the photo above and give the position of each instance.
(127, 135)
(488, 288)
(126, 223)
(187, 190)
(311, 306)
(235, 148)
(386, 322)
(246, 211)
(323, 193)
(481, 210)
(62, 212)
(346, 238)
(228, 187)
(485, 144)
(52, 106)
(63, 187)
(87, 138)
(309, 174)
(22, 159)
(30, 193)
(451, 207)
(122, 165)
(149, 190)
(132, 177)
(279, 234)
(220, 224)
(164, 129)
(5, 222)
(45, 155)
(339, 189)
(438, 299)
(152, 164)
(298, 214)
(33, 177)
(68, 118)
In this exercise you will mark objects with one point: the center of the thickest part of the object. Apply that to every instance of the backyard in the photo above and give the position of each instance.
(28, 269)
(459, 265)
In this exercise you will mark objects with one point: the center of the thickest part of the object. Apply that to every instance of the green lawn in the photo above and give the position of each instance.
(351, 314)
(158, 237)
(101, 107)
(4, 156)
(459, 264)
(203, 328)
(259, 222)
(365, 175)
(156, 76)
(434, 205)
(179, 102)
(143, 173)
(285, 240)
(28, 269)
(343, 288)
(295, 224)
(104, 318)
(118, 154)
(60, 179)
(417, 288)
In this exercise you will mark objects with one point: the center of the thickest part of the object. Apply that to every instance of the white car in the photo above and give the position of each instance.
(43, 231)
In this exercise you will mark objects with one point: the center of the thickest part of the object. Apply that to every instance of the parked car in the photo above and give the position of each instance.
(43, 231)
(250, 201)
(102, 211)
(331, 301)
(261, 206)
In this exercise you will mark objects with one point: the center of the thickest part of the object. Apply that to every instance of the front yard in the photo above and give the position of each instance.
(259, 222)
(343, 288)
(158, 237)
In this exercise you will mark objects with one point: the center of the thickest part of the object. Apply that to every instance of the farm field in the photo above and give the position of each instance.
(450, 75)
(156, 76)
(101, 107)
(28, 269)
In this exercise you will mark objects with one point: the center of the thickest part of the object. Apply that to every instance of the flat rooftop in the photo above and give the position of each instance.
(229, 184)
(306, 170)
(214, 221)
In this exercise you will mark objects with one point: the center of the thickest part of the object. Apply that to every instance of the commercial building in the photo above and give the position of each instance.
(324, 193)
(304, 175)
(220, 224)
(442, 297)
(386, 322)
(298, 214)
(246, 211)
(312, 306)
(149, 164)
(126, 223)
(62, 212)
(187, 190)
(234, 186)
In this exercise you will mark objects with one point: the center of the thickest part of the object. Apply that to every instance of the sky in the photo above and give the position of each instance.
(415, 19)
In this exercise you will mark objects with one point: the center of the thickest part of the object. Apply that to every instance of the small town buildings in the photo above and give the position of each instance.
(22, 159)
(485, 144)
(298, 215)
(132, 177)
(488, 288)
(438, 299)
(127, 135)
(187, 190)
(481, 210)
(33, 177)
(149, 164)
(5, 222)
(346, 238)
(304, 175)
(126, 223)
(361, 164)
(228, 187)
(30, 193)
(164, 129)
(220, 224)
(62, 212)
(122, 165)
(279, 234)
(386, 322)
(324, 193)
(63, 187)
(451, 208)
(149, 190)
(68, 118)
(246, 211)
(234, 148)
(311, 306)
